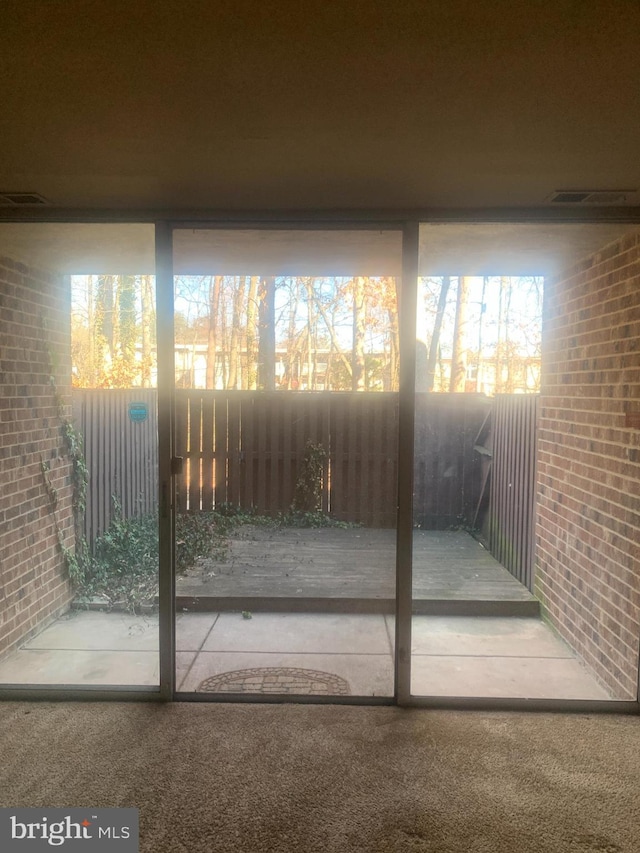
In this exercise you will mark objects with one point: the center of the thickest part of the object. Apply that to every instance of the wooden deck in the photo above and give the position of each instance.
(352, 570)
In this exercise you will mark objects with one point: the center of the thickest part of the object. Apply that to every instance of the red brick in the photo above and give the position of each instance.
(33, 571)
(588, 520)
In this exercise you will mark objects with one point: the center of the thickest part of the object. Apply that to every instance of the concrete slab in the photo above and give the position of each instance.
(452, 656)
(367, 675)
(69, 667)
(192, 629)
(85, 630)
(505, 677)
(184, 660)
(294, 633)
(486, 636)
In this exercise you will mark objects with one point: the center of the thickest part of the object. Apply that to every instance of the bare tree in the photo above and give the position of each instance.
(434, 345)
(359, 328)
(236, 331)
(479, 359)
(459, 355)
(266, 333)
(147, 321)
(394, 340)
(215, 283)
(252, 334)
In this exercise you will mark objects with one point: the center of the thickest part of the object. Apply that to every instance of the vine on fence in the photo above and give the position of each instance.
(308, 494)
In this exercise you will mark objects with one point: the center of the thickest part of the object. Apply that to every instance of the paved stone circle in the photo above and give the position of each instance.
(277, 679)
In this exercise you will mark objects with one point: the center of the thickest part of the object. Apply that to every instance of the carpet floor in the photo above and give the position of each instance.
(212, 777)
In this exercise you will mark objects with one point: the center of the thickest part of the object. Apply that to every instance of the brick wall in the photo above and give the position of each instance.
(35, 475)
(588, 521)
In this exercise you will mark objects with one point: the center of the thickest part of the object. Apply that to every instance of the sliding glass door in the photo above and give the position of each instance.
(355, 489)
(79, 460)
(523, 541)
(285, 427)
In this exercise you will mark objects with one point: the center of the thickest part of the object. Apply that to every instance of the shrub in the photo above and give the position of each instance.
(198, 534)
(123, 568)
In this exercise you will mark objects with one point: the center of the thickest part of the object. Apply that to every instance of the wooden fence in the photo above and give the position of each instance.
(247, 449)
(447, 470)
(121, 453)
(511, 518)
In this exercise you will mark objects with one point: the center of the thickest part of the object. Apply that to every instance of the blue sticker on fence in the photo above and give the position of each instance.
(138, 412)
(82, 830)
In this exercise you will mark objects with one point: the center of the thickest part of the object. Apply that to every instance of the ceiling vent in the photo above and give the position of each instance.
(20, 199)
(591, 196)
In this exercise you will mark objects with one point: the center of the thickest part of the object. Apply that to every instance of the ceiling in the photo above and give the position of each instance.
(240, 105)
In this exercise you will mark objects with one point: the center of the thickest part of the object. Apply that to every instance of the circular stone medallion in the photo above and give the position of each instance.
(277, 679)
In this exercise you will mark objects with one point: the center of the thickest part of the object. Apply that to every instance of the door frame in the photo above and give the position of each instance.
(166, 452)
(407, 221)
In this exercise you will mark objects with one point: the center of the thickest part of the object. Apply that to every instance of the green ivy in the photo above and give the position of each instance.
(74, 558)
(74, 449)
(308, 493)
(123, 569)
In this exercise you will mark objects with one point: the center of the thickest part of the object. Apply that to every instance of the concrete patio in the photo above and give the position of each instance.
(451, 655)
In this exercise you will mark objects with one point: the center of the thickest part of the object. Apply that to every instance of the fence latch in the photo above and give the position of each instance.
(176, 466)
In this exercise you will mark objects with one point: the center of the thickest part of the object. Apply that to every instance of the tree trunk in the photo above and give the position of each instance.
(91, 326)
(267, 333)
(330, 324)
(394, 342)
(359, 328)
(479, 361)
(115, 322)
(459, 355)
(507, 338)
(128, 331)
(238, 310)
(434, 346)
(105, 300)
(312, 343)
(498, 383)
(214, 304)
(146, 322)
(291, 374)
(252, 334)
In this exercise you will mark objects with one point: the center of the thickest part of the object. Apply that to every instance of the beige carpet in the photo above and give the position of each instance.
(308, 778)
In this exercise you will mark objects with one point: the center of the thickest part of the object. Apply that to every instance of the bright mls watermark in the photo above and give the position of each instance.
(82, 830)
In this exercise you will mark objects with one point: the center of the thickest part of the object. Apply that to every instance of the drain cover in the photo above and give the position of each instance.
(277, 679)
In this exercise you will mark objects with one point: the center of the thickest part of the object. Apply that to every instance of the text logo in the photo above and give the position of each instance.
(104, 830)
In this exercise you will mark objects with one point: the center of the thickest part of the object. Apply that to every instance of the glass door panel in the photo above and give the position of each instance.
(523, 572)
(78, 543)
(286, 406)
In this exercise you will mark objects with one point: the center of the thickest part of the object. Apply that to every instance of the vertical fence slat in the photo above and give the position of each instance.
(336, 438)
(275, 467)
(234, 427)
(181, 427)
(194, 451)
(208, 461)
(512, 498)
(218, 441)
(261, 425)
(353, 464)
(248, 452)
(377, 450)
(288, 482)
